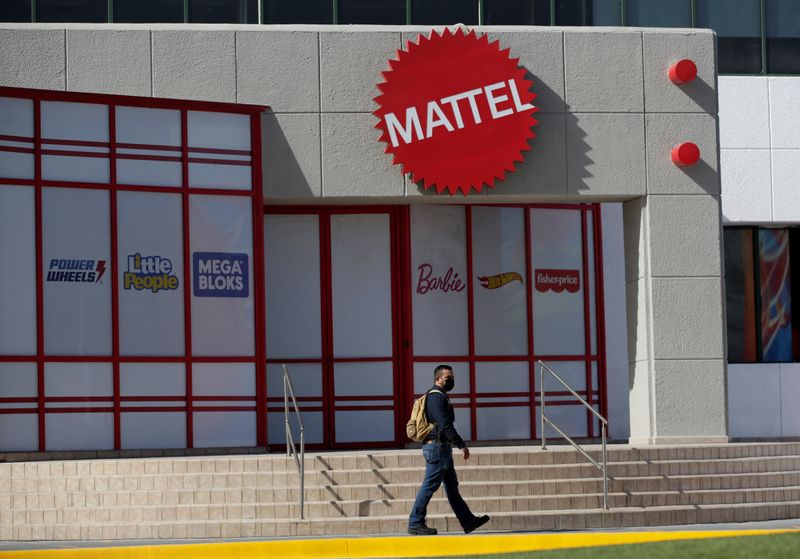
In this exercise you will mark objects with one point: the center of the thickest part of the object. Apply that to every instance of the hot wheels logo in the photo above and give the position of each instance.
(558, 280)
(68, 270)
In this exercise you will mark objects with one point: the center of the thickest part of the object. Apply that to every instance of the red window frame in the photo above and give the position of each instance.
(116, 403)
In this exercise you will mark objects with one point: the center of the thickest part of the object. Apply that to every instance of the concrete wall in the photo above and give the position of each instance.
(760, 154)
(608, 118)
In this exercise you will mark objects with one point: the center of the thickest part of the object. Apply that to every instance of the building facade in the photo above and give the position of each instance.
(358, 278)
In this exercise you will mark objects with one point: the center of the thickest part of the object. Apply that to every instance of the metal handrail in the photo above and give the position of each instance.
(291, 450)
(603, 427)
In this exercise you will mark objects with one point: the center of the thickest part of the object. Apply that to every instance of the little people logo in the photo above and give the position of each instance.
(499, 280)
(70, 270)
(455, 111)
(153, 273)
(558, 280)
(220, 274)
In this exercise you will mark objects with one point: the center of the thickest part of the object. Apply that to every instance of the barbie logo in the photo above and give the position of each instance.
(427, 281)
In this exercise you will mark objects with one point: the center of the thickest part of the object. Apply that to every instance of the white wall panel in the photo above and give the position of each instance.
(16, 117)
(222, 321)
(79, 431)
(212, 175)
(360, 379)
(746, 185)
(361, 285)
(423, 376)
(77, 314)
(502, 377)
(149, 173)
(570, 419)
(736, 92)
(141, 125)
(15, 165)
(312, 427)
(151, 318)
(754, 400)
(306, 379)
(77, 169)
(19, 432)
(219, 130)
(364, 426)
(18, 272)
(153, 430)
(784, 111)
(74, 121)
(293, 308)
(223, 379)
(500, 309)
(439, 280)
(785, 184)
(224, 429)
(152, 379)
(504, 423)
(78, 379)
(790, 392)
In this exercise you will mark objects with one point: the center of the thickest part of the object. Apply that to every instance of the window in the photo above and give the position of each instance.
(516, 12)
(15, 10)
(387, 12)
(588, 12)
(144, 11)
(444, 12)
(223, 11)
(298, 11)
(738, 27)
(762, 282)
(783, 37)
(656, 13)
(75, 11)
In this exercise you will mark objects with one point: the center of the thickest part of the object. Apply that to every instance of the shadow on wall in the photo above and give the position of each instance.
(283, 173)
(543, 170)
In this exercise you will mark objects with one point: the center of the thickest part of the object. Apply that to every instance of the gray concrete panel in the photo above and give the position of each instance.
(541, 54)
(279, 69)
(194, 65)
(106, 61)
(638, 312)
(640, 383)
(665, 131)
(635, 230)
(690, 398)
(350, 68)
(33, 58)
(290, 153)
(687, 318)
(685, 236)
(603, 69)
(353, 162)
(544, 170)
(605, 154)
(664, 47)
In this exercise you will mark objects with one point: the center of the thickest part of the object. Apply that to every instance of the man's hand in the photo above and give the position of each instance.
(465, 453)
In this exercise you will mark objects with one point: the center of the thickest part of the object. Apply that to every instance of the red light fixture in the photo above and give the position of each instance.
(685, 154)
(682, 72)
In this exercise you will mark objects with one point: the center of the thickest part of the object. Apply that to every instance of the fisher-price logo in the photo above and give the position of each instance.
(557, 280)
(220, 274)
(153, 273)
(455, 111)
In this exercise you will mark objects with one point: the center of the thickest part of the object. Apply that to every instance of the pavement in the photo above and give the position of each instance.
(389, 546)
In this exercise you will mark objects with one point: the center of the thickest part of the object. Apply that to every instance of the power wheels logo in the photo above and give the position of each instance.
(220, 274)
(153, 273)
(455, 111)
(68, 270)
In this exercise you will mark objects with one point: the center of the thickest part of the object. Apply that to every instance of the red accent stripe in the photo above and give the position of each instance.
(115, 318)
(363, 408)
(140, 157)
(37, 134)
(198, 409)
(82, 143)
(53, 399)
(15, 149)
(473, 416)
(19, 400)
(151, 409)
(224, 151)
(64, 153)
(223, 398)
(259, 295)
(18, 411)
(10, 138)
(600, 307)
(529, 314)
(220, 161)
(187, 274)
(152, 398)
(587, 336)
(81, 410)
(363, 398)
(155, 147)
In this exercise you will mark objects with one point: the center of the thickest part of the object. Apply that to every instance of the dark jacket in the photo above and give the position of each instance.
(439, 410)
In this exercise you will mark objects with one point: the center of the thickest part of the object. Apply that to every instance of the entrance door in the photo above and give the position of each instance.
(331, 296)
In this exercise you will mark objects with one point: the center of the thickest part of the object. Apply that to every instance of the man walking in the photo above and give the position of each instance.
(437, 449)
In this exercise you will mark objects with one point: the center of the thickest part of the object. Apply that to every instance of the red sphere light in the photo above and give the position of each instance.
(682, 72)
(685, 154)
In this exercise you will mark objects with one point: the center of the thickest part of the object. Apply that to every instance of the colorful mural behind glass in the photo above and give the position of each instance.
(776, 319)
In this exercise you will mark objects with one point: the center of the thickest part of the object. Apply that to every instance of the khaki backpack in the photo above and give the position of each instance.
(418, 426)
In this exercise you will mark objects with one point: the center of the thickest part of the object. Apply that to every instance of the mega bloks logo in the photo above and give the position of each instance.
(71, 270)
(220, 274)
(153, 273)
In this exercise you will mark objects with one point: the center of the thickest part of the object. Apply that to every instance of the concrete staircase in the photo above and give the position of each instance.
(371, 492)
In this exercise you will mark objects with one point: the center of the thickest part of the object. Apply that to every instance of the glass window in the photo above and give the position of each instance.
(78, 11)
(147, 11)
(783, 37)
(516, 12)
(657, 13)
(776, 296)
(298, 11)
(738, 27)
(588, 12)
(444, 12)
(740, 295)
(223, 11)
(15, 10)
(384, 12)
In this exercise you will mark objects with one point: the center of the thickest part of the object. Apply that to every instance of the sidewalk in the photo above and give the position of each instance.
(383, 547)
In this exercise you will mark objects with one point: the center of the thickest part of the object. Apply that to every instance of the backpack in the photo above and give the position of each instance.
(418, 427)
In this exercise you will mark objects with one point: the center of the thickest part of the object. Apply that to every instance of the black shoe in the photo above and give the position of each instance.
(476, 523)
(424, 530)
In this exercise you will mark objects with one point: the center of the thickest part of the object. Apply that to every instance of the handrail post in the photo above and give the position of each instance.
(286, 409)
(300, 462)
(541, 403)
(605, 467)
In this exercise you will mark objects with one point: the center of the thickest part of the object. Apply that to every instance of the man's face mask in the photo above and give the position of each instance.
(449, 383)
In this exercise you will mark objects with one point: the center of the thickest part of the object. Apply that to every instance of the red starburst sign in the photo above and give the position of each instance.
(455, 111)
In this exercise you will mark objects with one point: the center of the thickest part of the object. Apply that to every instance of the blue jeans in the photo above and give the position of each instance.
(439, 468)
